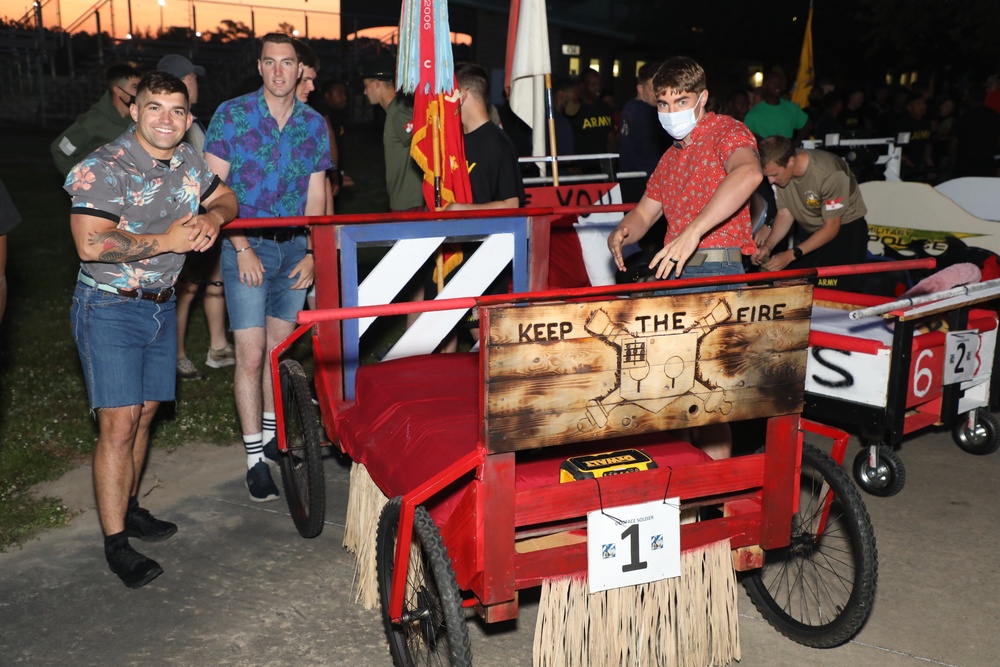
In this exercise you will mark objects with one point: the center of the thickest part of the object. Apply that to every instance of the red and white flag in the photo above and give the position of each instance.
(427, 70)
(528, 62)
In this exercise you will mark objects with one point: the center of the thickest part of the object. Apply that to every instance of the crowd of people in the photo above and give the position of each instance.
(152, 189)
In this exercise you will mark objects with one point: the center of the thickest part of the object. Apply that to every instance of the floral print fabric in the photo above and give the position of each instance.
(122, 183)
(687, 177)
(269, 168)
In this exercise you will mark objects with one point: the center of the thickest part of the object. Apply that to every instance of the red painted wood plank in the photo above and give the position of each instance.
(781, 475)
(562, 501)
(497, 533)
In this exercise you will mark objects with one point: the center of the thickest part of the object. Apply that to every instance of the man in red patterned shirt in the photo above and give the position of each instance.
(702, 184)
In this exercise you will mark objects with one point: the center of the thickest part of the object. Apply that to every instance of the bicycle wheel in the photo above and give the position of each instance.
(818, 591)
(432, 629)
(302, 465)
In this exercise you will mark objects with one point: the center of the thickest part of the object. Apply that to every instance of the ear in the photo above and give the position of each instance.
(133, 110)
(190, 120)
(260, 68)
(301, 69)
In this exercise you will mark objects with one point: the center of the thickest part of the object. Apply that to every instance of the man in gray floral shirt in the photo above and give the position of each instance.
(134, 215)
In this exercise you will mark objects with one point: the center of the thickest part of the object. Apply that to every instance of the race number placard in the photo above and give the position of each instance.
(960, 356)
(633, 544)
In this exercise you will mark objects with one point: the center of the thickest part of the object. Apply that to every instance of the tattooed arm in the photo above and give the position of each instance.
(99, 240)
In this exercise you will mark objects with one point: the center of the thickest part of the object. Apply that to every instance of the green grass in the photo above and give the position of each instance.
(45, 424)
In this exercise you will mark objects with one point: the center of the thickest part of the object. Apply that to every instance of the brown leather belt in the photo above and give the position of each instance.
(715, 255)
(156, 297)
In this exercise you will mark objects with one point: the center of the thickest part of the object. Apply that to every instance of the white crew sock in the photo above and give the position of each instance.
(254, 445)
(270, 426)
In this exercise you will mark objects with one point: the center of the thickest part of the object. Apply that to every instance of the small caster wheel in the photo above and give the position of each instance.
(886, 478)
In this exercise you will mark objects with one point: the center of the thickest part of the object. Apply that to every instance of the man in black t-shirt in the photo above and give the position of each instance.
(494, 175)
(593, 125)
(492, 159)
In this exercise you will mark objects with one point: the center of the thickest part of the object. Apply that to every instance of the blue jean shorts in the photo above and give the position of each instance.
(251, 306)
(128, 347)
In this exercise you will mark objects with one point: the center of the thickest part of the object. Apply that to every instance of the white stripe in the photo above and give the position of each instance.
(391, 274)
(475, 276)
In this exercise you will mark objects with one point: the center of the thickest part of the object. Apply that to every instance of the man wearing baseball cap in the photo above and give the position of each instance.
(404, 179)
(199, 269)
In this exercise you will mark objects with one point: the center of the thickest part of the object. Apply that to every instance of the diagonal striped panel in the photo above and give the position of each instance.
(404, 260)
(475, 276)
(391, 274)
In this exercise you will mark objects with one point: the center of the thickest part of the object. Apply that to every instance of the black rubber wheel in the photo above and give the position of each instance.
(984, 439)
(433, 629)
(302, 465)
(886, 478)
(818, 591)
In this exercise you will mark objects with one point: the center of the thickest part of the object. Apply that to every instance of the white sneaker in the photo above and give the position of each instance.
(221, 358)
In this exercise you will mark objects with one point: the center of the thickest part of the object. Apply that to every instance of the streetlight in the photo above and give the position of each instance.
(162, 4)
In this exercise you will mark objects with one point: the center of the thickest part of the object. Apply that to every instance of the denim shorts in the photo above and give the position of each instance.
(128, 347)
(250, 306)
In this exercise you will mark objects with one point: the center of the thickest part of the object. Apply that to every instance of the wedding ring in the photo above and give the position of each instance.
(672, 260)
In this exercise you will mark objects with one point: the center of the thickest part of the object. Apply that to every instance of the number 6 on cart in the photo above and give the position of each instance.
(633, 544)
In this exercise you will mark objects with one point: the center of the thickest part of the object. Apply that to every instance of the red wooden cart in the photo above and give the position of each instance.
(902, 369)
(469, 446)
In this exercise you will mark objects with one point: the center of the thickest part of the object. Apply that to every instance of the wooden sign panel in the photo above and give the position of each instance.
(568, 372)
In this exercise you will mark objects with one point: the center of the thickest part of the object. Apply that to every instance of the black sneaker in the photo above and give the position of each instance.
(260, 485)
(134, 569)
(271, 451)
(140, 523)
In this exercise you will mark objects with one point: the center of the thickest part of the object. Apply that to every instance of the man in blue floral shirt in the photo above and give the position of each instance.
(273, 151)
(134, 215)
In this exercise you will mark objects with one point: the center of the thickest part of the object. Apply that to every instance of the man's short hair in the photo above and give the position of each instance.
(275, 38)
(119, 72)
(330, 84)
(681, 74)
(776, 149)
(646, 72)
(473, 78)
(161, 82)
(564, 83)
(738, 94)
(305, 54)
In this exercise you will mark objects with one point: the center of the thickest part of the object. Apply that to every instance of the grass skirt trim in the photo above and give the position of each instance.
(690, 621)
(364, 505)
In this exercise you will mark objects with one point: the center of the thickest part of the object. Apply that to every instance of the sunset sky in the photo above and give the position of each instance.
(324, 17)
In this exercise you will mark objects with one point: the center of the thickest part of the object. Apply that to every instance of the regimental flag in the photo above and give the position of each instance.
(807, 76)
(426, 69)
(528, 62)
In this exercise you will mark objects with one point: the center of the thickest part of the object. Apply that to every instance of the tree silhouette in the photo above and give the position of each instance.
(230, 31)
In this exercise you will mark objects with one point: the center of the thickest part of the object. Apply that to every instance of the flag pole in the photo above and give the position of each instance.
(552, 131)
(436, 140)
(513, 17)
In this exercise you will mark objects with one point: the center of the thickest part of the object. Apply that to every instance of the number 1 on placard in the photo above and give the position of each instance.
(632, 532)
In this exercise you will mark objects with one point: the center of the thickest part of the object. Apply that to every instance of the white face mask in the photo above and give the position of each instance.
(679, 123)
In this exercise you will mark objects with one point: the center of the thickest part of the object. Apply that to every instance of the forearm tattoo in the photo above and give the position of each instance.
(117, 246)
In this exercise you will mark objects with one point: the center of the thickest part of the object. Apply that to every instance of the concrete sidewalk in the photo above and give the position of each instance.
(242, 588)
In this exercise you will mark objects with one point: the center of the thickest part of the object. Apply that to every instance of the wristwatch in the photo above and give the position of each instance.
(797, 251)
